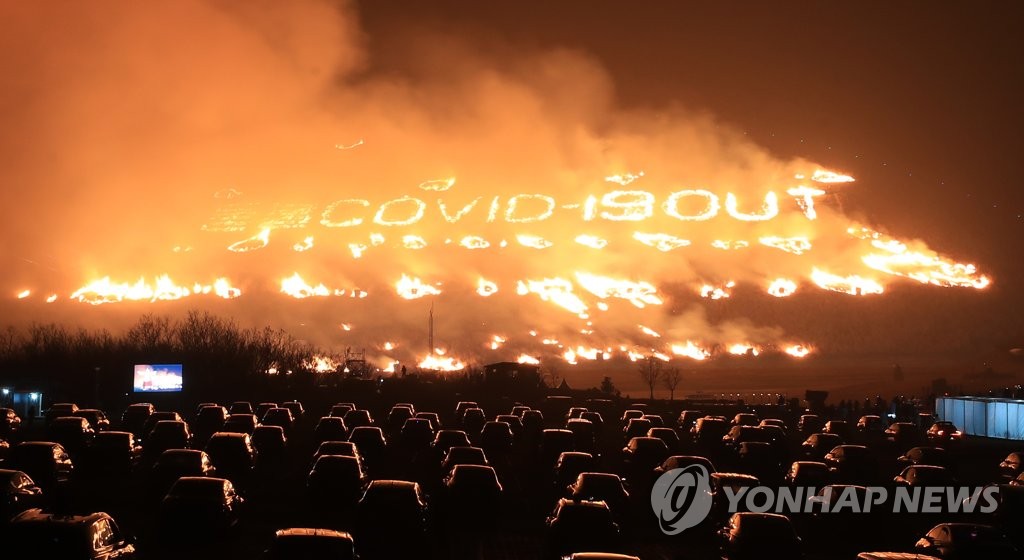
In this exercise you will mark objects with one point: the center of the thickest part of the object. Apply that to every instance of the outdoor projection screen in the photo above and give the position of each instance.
(977, 416)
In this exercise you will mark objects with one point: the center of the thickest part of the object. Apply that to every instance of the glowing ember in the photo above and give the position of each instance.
(24, 294)
(853, 285)
(527, 359)
(624, 179)
(824, 176)
(413, 242)
(781, 287)
(348, 327)
(729, 245)
(497, 341)
(414, 288)
(51, 298)
(474, 242)
(305, 245)
(389, 346)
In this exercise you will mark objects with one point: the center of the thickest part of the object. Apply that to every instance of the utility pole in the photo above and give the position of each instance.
(430, 330)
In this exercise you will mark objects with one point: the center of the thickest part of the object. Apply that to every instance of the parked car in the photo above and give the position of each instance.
(113, 453)
(472, 496)
(810, 424)
(96, 417)
(74, 433)
(576, 525)
(853, 463)
(751, 535)
(966, 540)
(601, 487)
(279, 416)
(812, 474)
(461, 455)
(330, 428)
(47, 462)
(38, 534)
(925, 475)
(18, 492)
(924, 456)
(644, 453)
(943, 432)
(1011, 467)
(58, 410)
(687, 419)
(240, 423)
(176, 463)
(167, 434)
(301, 544)
(817, 445)
(682, 462)
(10, 422)
(234, 456)
(134, 418)
(336, 482)
(200, 507)
(745, 419)
(391, 519)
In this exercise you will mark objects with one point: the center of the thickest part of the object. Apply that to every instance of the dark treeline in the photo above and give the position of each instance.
(218, 356)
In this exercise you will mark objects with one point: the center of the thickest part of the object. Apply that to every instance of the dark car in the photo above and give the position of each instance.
(966, 540)
(303, 544)
(812, 474)
(644, 453)
(357, 418)
(336, 482)
(924, 456)
(166, 434)
(435, 420)
(74, 433)
(96, 417)
(810, 424)
(709, 430)
(209, 420)
(630, 414)
(416, 433)
(157, 417)
(636, 427)
(391, 519)
(135, 416)
(240, 407)
(745, 419)
(58, 410)
(176, 463)
(47, 462)
(870, 423)
(817, 445)
(496, 437)
(667, 435)
(446, 439)
(113, 452)
(682, 462)
(838, 427)
(10, 422)
(261, 409)
(925, 475)
(687, 418)
(330, 428)
(199, 506)
(602, 487)
(1011, 467)
(576, 525)
(904, 434)
(296, 408)
(96, 536)
(332, 447)
(554, 442)
(461, 455)
(752, 535)
(742, 433)
(852, 463)
(234, 456)
(370, 442)
(18, 492)
(271, 445)
(472, 496)
(943, 432)
(341, 409)
(240, 424)
(279, 416)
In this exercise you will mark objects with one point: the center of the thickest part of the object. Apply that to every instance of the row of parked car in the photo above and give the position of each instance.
(593, 475)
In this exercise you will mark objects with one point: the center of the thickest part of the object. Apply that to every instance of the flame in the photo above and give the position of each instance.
(624, 179)
(356, 144)
(926, 267)
(222, 288)
(797, 350)
(24, 294)
(717, 292)
(321, 364)
(639, 294)
(348, 327)
(474, 242)
(742, 349)
(782, 287)
(649, 331)
(497, 341)
(729, 245)
(413, 242)
(163, 288)
(853, 285)
(661, 241)
(690, 350)
(414, 288)
(795, 245)
(389, 346)
(438, 185)
(51, 298)
(258, 241)
(296, 287)
(441, 363)
(357, 249)
(592, 241)
(533, 241)
(303, 246)
(527, 359)
(486, 288)
(825, 176)
(556, 290)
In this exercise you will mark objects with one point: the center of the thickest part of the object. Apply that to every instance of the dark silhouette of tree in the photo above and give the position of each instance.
(670, 378)
(608, 387)
(650, 372)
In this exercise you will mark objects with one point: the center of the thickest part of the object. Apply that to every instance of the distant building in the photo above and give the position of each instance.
(512, 372)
